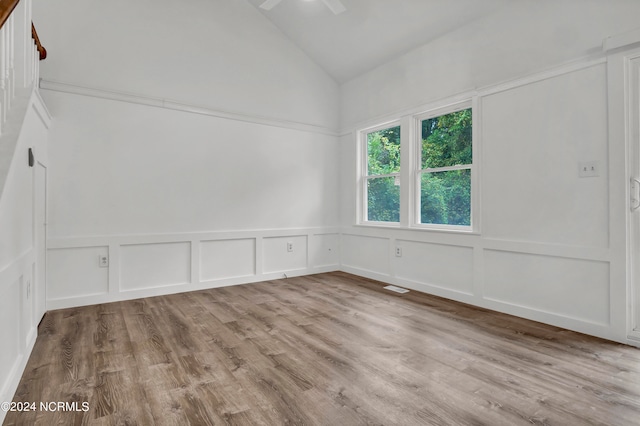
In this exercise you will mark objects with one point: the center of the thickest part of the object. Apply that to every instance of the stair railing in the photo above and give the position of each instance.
(20, 53)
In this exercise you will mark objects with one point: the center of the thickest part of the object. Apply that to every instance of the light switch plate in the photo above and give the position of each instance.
(589, 169)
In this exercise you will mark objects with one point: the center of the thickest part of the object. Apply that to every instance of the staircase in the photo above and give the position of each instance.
(20, 54)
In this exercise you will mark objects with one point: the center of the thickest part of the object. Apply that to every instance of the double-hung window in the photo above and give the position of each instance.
(439, 171)
(382, 175)
(445, 169)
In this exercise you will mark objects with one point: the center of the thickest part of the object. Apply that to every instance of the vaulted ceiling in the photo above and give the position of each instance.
(373, 32)
(370, 32)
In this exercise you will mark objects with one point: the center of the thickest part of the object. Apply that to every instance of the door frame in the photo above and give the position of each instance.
(40, 264)
(631, 66)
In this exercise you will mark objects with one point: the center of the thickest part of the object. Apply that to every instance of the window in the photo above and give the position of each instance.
(444, 172)
(382, 175)
(439, 185)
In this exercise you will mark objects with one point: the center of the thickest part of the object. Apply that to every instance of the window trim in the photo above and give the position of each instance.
(411, 163)
(363, 177)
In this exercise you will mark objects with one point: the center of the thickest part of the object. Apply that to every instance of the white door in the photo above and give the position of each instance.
(40, 228)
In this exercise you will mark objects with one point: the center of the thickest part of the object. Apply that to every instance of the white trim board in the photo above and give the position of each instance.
(57, 86)
(621, 40)
(477, 92)
(127, 239)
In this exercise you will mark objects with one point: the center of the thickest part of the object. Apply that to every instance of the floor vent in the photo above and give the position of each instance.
(396, 289)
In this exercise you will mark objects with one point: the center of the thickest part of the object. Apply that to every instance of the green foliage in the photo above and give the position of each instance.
(383, 149)
(446, 198)
(383, 158)
(445, 195)
(446, 140)
(383, 199)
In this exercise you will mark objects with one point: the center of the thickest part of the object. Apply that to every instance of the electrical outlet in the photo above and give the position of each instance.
(290, 246)
(398, 251)
(103, 261)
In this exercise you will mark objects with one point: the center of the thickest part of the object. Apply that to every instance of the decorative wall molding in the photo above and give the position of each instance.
(565, 68)
(617, 41)
(190, 262)
(10, 275)
(139, 99)
(41, 108)
(131, 239)
(569, 322)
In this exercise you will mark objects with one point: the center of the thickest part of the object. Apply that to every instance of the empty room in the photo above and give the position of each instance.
(320, 212)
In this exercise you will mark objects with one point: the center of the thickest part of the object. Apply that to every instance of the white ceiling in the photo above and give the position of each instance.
(371, 32)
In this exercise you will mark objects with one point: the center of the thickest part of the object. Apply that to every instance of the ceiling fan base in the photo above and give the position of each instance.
(335, 6)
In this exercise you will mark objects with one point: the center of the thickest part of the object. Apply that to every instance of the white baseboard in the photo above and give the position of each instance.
(562, 321)
(73, 302)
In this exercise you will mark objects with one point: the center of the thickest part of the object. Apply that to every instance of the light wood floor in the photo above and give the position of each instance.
(330, 349)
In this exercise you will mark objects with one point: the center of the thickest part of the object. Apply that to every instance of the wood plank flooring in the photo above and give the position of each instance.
(329, 349)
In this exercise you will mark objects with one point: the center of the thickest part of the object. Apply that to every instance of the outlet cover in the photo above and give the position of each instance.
(103, 261)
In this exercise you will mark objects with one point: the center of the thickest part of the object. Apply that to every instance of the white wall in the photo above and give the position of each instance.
(121, 168)
(550, 245)
(19, 315)
(217, 54)
(523, 38)
(191, 142)
(154, 188)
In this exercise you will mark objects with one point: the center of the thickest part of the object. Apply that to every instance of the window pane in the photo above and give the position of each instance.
(446, 140)
(445, 198)
(383, 199)
(383, 151)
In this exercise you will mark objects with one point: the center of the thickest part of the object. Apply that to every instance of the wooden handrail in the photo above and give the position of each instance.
(39, 46)
(6, 7)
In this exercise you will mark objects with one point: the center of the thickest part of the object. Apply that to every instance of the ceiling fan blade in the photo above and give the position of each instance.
(269, 4)
(336, 6)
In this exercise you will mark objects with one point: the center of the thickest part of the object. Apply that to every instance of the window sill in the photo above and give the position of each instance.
(417, 228)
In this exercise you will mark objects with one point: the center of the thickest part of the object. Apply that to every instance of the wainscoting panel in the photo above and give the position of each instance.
(324, 250)
(28, 305)
(276, 257)
(154, 265)
(220, 259)
(370, 254)
(17, 322)
(437, 265)
(10, 300)
(75, 272)
(158, 264)
(572, 288)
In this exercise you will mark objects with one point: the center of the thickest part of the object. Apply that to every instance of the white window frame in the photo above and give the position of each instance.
(411, 167)
(363, 155)
(418, 171)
